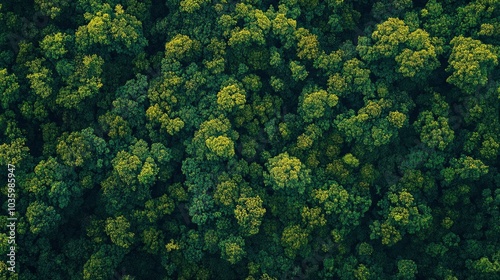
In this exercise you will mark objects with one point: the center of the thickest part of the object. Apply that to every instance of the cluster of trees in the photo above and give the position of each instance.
(256, 139)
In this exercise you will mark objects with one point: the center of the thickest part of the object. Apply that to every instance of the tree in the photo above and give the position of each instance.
(52, 8)
(181, 47)
(137, 170)
(80, 147)
(314, 104)
(214, 140)
(40, 78)
(115, 30)
(55, 181)
(294, 238)
(415, 52)
(347, 208)
(231, 97)
(54, 46)
(434, 133)
(233, 249)
(465, 168)
(307, 45)
(14, 152)
(103, 262)
(42, 218)
(191, 6)
(249, 214)
(9, 88)
(402, 214)
(118, 231)
(407, 269)
(470, 63)
(287, 172)
(83, 83)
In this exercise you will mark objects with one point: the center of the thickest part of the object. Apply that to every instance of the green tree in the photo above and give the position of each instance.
(415, 52)
(287, 172)
(231, 97)
(471, 62)
(118, 231)
(54, 46)
(55, 180)
(181, 47)
(249, 213)
(434, 131)
(42, 218)
(233, 249)
(83, 83)
(52, 8)
(9, 88)
(407, 269)
(314, 104)
(294, 238)
(103, 262)
(81, 147)
(402, 214)
(111, 28)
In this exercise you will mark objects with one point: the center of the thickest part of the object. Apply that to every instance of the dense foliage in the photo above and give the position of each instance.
(256, 139)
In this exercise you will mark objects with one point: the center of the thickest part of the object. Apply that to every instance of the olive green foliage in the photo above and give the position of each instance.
(291, 139)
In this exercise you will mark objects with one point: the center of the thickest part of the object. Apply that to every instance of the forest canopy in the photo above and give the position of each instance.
(255, 139)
